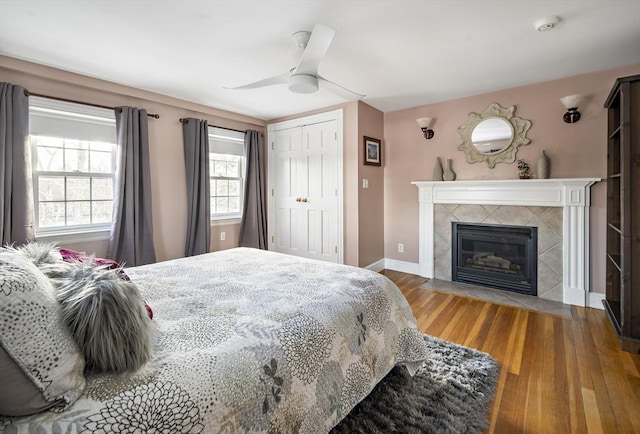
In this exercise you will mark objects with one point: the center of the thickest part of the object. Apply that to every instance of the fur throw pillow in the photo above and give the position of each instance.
(73, 256)
(45, 256)
(107, 318)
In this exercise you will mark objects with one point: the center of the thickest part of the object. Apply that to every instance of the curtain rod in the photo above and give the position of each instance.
(27, 93)
(215, 126)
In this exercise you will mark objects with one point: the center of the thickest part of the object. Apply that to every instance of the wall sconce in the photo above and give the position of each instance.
(571, 103)
(424, 124)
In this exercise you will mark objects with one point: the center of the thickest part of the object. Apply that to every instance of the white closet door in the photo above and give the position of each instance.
(319, 207)
(287, 159)
(305, 199)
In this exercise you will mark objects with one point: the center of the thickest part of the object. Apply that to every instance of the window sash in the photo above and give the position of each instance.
(91, 200)
(214, 196)
(228, 143)
(79, 140)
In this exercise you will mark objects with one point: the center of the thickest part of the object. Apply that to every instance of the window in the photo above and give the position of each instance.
(226, 169)
(73, 159)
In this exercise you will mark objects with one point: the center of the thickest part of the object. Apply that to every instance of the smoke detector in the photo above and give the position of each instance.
(546, 23)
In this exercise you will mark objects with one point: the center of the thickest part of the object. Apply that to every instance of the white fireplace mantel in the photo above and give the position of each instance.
(572, 194)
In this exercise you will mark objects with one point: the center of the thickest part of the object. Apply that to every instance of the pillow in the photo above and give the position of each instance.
(107, 318)
(41, 366)
(45, 256)
(40, 254)
(72, 256)
(69, 255)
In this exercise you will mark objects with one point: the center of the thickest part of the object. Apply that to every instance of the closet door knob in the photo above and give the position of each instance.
(305, 200)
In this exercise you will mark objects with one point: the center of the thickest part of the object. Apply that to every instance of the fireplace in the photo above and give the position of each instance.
(499, 256)
(572, 196)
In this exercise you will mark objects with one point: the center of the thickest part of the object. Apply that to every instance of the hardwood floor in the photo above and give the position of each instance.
(559, 375)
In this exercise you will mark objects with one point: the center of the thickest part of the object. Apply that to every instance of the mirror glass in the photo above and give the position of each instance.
(492, 135)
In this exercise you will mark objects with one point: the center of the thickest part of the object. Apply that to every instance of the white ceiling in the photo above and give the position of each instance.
(400, 53)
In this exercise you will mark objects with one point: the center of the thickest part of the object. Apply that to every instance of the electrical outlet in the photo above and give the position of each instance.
(222, 236)
(400, 248)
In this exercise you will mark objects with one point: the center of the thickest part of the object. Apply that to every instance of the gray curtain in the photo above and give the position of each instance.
(195, 136)
(253, 227)
(131, 239)
(16, 189)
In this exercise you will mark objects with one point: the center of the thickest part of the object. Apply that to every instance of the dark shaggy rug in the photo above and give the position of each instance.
(451, 393)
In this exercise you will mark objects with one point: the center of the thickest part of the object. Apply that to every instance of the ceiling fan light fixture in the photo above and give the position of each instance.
(303, 83)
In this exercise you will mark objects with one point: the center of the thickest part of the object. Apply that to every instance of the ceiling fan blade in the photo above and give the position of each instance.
(339, 90)
(278, 79)
(318, 44)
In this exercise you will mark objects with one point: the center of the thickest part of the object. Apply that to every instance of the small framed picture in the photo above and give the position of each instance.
(372, 152)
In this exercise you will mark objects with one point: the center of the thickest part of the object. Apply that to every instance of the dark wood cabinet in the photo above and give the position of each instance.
(622, 301)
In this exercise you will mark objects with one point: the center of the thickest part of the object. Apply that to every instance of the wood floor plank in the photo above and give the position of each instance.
(558, 374)
(533, 399)
(594, 424)
(461, 324)
(429, 324)
(609, 387)
(505, 411)
(479, 340)
(516, 339)
(575, 414)
(629, 367)
(548, 416)
(477, 325)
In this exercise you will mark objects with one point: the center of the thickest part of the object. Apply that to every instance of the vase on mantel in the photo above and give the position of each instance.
(437, 170)
(543, 166)
(449, 174)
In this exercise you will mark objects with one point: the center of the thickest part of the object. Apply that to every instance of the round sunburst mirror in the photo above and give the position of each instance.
(493, 135)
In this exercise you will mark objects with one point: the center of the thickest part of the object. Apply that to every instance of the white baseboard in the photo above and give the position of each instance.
(595, 300)
(377, 266)
(403, 266)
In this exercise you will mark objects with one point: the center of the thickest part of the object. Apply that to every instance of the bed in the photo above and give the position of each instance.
(249, 341)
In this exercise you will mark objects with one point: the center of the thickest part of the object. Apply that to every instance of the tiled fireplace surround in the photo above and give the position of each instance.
(559, 208)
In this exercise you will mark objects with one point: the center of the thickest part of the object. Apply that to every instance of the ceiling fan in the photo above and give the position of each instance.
(304, 77)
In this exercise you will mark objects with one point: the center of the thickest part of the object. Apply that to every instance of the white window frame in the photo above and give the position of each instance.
(79, 120)
(229, 138)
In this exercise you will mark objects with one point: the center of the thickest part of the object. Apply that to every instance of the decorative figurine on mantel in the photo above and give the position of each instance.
(525, 172)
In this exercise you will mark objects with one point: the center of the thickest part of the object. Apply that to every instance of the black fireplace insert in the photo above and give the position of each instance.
(499, 256)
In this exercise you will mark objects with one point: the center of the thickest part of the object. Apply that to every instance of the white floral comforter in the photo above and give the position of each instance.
(249, 341)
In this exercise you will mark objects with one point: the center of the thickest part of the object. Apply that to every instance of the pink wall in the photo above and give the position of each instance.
(231, 236)
(575, 150)
(371, 200)
(168, 181)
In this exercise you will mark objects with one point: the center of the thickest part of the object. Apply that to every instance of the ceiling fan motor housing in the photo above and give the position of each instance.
(303, 83)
